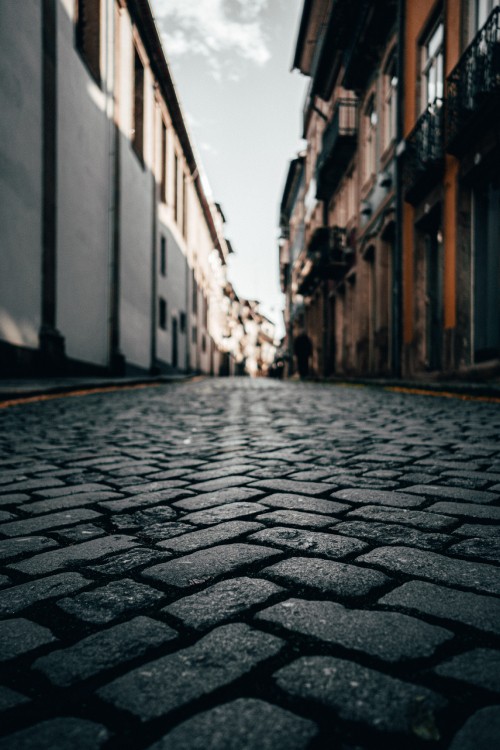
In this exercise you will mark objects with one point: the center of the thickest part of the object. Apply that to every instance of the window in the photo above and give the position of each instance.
(162, 322)
(481, 10)
(370, 121)
(205, 311)
(194, 334)
(431, 76)
(163, 157)
(390, 103)
(138, 107)
(203, 343)
(182, 322)
(163, 256)
(194, 288)
(88, 35)
(184, 205)
(176, 188)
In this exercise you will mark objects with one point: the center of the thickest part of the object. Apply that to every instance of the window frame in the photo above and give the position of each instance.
(79, 39)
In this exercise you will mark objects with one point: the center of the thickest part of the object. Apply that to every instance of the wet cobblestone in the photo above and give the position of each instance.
(236, 564)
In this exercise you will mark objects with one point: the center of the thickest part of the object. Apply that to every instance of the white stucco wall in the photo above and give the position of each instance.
(173, 288)
(136, 215)
(20, 171)
(84, 143)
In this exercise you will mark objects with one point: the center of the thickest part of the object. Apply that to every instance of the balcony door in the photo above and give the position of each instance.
(486, 273)
(434, 296)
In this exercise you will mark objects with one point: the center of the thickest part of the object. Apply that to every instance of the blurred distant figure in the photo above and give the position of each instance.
(302, 348)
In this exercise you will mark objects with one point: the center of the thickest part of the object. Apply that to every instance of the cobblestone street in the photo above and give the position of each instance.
(250, 564)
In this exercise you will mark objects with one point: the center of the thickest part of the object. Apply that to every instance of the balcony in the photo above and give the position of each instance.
(424, 155)
(474, 87)
(328, 258)
(338, 147)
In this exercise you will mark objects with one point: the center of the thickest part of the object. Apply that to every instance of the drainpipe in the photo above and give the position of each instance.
(397, 307)
(154, 369)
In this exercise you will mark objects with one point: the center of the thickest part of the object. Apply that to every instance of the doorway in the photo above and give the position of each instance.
(486, 272)
(175, 343)
(434, 295)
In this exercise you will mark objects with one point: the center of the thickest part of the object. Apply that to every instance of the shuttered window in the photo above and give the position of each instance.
(138, 107)
(88, 35)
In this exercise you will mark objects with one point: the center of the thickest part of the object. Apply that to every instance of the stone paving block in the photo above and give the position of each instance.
(482, 612)
(24, 595)
(486, 549)
(417, 518)
(480, 667)
(206, 564)
(438, 568)
(220, 471)
(222, 513)
(11, 548)
(13, 498)
(48, 562)
(65, 733)
(69, 489)
(129, 560)
(6, 516)
(327, 576)
(108, 602)
(163, 486)
(65, 502)
(370, 497)
(211, 499)
(453, 493)
(469, 510)
(49, 521)
(143, 501)
(222, 600)
(223, 532)
(243, 724)
(30, 484)
(293, 486)
(295, 518)
(358, 694)
(19, 636)
(389, 533)
(158, 687)
(104, 650)
(233, 480)
(480, 732)
(305, 503)
(390, 636)
(315, 543)
(79, 533)
(10, 699)
(485, 531)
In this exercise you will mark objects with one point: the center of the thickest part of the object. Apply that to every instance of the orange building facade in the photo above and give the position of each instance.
(396, 269)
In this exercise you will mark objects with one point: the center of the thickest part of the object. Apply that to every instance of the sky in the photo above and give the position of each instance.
(231, 60)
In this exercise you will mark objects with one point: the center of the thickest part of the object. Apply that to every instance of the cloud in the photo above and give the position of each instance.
(214, 29)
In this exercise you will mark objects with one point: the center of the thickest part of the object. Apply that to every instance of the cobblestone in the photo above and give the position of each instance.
(111, 601)
(244, 723)
(363, 695)
(248, 564)
(19, 636)
(104, 650)
(222, 600)
(206, 564)
(326, 576)
(217, 659)
(388, 635)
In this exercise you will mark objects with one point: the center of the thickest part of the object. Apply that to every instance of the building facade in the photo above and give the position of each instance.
(113, 256)
(397, 270)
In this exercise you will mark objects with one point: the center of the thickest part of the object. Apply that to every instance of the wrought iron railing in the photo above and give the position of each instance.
(344, 124)
(424, 152)
(475, 79)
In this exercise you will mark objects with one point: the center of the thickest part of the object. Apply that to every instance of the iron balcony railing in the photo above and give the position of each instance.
(424, 154)
(338, 146)
(474, 84)
(331, 257)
